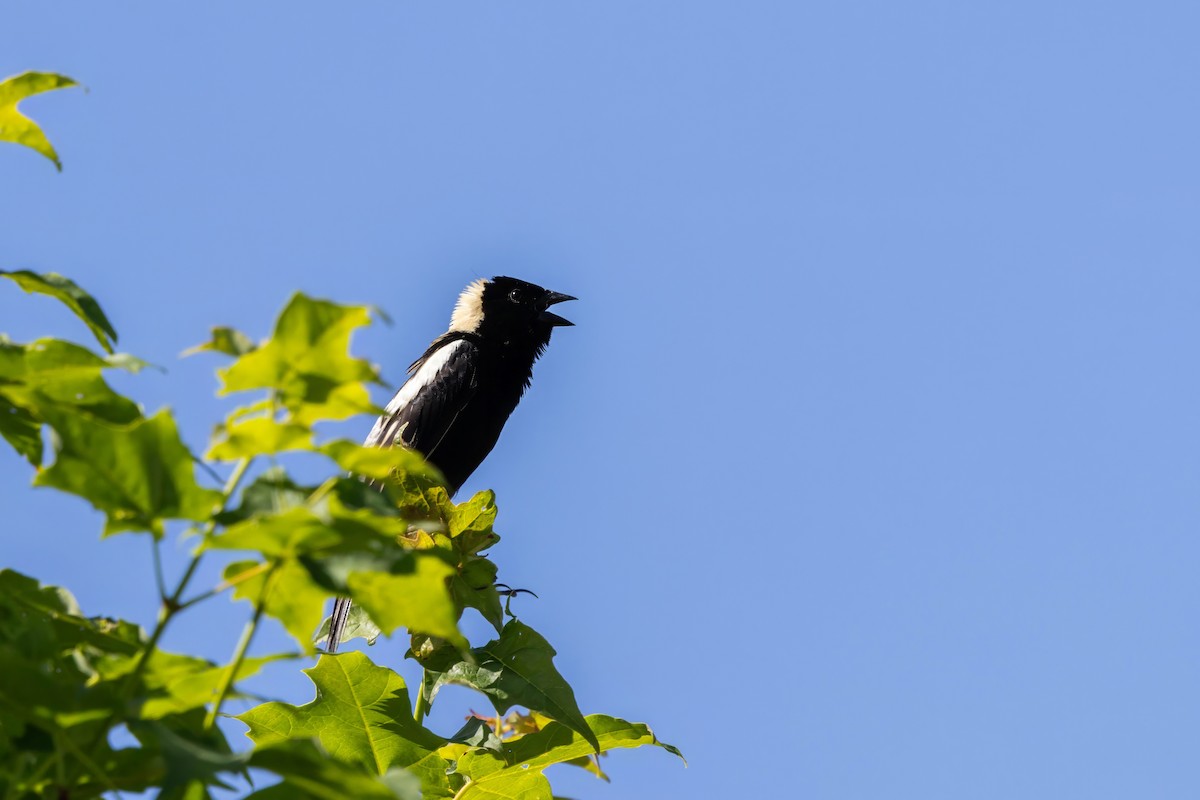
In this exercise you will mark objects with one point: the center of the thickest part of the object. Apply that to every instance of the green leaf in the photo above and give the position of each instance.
(192, 757)
(474, 586)
(495, 775)
(307, 531)
(332, 548)
(415, 598)
(556, 743)
(266, 436)
(362, 714)
(271, 492)
(470, 523)
(65, 290)
(434, 654)
(477, 515)
(52, 695)
(292, 596)
(18, 128)
(379, 463)
(22, 430)
(306, 362)
(478, 733)
(358, 623)
(259, 436)
(518, 669)
(229, 341)
(51, 373)
(44, 621)
(506, 785)
(287, 534)
(310, 774)
(173, 683)
(137, 474)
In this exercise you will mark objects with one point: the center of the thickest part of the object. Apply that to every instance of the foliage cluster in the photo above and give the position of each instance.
(380, 528)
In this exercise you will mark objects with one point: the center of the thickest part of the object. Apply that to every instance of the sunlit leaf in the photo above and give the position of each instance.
(258, 436)
(378, 462)
(229, 341)
(470, 523)
(362, 714)
(172, 683)
(269, 493)
(50, 374)
(504, 785)
(477, 515)
(307, 363)
(65, 290)
(137, 474)
(556, 743)
(417, 599)
(53, 374)
(330, 529)
(505, 774)
(343, 550)
(18, 128)
(310, 774)
(518, 669)
(22, 430)
(291, 595)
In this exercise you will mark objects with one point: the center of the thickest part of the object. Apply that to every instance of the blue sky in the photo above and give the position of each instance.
(871, 468)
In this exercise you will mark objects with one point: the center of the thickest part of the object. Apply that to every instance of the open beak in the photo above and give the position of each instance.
(554, 319)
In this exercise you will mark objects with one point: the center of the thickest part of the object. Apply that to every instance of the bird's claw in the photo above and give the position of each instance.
(505, 590)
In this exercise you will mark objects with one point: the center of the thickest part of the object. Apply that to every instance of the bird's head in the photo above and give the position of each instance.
(508, 308)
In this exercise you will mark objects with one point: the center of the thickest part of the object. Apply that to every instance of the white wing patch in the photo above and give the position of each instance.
(420, 379)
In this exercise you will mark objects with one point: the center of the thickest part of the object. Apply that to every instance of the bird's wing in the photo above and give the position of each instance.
(441, 384)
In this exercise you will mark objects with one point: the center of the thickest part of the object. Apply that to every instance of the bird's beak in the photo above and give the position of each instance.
(554, 319)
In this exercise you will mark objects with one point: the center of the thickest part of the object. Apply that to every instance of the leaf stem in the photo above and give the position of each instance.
(239, 653)
(322, 490)
(231, 485)
(253, 572)
(422, 705)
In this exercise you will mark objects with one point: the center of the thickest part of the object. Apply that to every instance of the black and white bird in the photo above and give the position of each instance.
(462, 390)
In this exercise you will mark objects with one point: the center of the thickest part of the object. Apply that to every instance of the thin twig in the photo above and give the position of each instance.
(227, 584)
(204, 465)
(239, 653)
(158, 570)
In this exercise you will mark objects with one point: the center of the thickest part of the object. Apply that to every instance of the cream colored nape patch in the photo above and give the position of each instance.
(468, 311)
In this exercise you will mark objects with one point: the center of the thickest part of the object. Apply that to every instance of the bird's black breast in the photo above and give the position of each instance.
(454, 405)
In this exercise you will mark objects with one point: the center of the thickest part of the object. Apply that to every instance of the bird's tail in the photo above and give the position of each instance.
(337, 623)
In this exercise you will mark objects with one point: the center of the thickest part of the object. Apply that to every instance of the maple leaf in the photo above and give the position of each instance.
(18, 128)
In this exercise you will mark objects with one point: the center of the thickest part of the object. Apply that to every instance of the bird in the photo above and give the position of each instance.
(464, 387)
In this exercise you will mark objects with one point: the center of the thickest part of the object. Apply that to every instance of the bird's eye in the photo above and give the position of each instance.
(517, 296)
